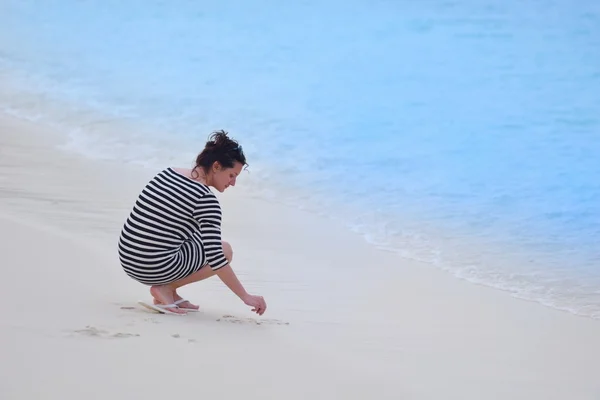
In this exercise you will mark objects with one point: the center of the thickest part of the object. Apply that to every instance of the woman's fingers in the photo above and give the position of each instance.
(263, 305)
(259, 305)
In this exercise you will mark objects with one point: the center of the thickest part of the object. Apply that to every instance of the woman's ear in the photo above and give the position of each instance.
(216, 166)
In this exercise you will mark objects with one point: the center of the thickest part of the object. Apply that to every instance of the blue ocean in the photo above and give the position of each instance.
(464, 134)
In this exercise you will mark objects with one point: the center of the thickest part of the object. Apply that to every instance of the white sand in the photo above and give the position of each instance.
(344, 320)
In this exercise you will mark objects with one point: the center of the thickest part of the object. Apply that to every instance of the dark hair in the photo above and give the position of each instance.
(221, 148)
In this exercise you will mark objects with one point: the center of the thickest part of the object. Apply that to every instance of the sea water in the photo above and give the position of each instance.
(465, 134)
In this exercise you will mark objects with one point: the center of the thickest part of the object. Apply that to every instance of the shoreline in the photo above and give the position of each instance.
(515, 281)
(507, 268)
(390, 328)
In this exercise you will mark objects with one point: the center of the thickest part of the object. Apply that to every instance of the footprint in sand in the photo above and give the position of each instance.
(178, 336)
(123, 306)
(253, 321)
(92, 331)
(137, 310)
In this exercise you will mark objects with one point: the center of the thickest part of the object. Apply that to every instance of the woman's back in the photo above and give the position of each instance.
(170, 211)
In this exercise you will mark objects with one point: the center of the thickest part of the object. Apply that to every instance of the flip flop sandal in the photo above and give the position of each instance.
(184, 308)
(161, 308)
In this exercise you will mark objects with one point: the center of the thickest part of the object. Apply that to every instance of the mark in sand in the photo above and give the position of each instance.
(236, 320)
(92, 331)
(178, 336)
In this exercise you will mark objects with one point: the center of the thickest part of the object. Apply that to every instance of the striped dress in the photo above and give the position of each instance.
(173, 230)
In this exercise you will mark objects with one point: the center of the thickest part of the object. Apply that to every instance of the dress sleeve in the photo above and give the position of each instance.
(208, 214)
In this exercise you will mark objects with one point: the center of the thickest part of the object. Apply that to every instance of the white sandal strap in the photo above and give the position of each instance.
(167, 305)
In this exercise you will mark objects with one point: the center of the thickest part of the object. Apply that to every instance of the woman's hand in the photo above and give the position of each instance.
(257, 303)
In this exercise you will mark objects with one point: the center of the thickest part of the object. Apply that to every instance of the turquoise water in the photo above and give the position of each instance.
(461, 133)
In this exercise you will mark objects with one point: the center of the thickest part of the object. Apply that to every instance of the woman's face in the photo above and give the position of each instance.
(222, 178)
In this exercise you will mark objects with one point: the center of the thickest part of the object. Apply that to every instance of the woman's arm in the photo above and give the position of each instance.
(230, 279)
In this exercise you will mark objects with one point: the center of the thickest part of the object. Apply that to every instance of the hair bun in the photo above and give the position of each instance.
(220, 148)
(220, 140)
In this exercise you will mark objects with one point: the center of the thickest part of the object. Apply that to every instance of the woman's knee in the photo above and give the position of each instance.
(228, 250)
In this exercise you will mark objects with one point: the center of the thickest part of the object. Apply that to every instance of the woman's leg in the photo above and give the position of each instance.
(167, 294)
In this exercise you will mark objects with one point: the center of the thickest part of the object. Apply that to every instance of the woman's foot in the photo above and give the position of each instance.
(184, 304)
(164, 295)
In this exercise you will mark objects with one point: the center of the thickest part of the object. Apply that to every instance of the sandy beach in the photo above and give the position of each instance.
(345, 320)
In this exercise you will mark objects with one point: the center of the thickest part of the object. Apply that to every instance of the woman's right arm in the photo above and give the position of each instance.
(230, 279)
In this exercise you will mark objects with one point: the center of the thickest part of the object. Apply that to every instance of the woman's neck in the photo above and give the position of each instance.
(199, 175)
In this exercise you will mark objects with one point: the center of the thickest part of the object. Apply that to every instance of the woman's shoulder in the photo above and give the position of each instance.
(180, 177)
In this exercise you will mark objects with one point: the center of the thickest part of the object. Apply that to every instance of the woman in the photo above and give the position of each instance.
(172, 237)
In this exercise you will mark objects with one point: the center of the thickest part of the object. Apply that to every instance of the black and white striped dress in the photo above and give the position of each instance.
(173, 230)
